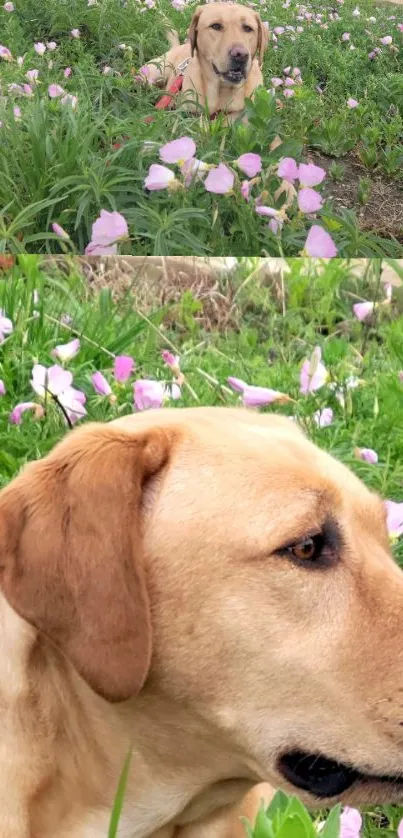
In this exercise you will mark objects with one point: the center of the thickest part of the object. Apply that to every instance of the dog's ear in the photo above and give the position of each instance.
(262, 38)
(193, 29)
(71, 557)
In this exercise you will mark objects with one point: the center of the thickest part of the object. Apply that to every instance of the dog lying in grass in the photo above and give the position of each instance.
(220, 65)
(208, 589)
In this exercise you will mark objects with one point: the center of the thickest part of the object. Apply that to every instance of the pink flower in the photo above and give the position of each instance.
(51, 45)
(352, 103)
(109, 228)
(67, 72)
(313, 373)
(40, 48)
(350, 822)
(66, 351)
(15, 416)
(260, 396)
(386, 41)
(319, 243)
(100, 384)
(17, 113)
(363, 310)
(178, 151)
(73, 402)
(54, 91)
(50, 379)
(75, 33)
(5, 53)
(2, 388)
(276, 81)
(219, 180)
(148, 394)
(6, 326)
(193, 169)
(288, 93)
(394, 513)
(8, 7)
(310, 175)
(250, 164)
(261, 209)
(367, 454)
(345, 36)
(400, 376)
(123, 368)
(400, 827)
(59, 231)
(279, 30)
(32, 76)
(159, 177)
(246, 186)
(309, 200)
(324, 417)
(172, 361)
(288, 169)
(237, 384)
(289, 83)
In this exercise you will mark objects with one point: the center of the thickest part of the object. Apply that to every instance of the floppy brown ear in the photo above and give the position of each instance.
(193, 29)
(262, 39)
(71, 552)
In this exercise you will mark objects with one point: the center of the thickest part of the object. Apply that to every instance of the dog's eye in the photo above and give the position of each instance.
(247, 28)
(309, 551)
(217, 26)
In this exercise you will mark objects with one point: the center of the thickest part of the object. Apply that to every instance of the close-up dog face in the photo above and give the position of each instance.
(228, 37)
(218, 558)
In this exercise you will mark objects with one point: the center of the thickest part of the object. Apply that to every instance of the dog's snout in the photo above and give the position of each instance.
(238, 54)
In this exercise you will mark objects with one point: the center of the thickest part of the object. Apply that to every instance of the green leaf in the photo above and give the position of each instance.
(119, 799)
(332, 825)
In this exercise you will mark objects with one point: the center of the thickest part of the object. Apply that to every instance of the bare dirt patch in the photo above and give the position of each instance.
(383, 212)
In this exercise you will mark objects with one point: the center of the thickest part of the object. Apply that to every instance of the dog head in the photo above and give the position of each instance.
(228, 36)
(246, 573)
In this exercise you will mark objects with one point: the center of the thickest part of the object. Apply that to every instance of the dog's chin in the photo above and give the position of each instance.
(325, 778)
(232, 76)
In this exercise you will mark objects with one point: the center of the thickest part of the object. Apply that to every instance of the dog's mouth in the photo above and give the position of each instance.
(235, 75)
(322, 776)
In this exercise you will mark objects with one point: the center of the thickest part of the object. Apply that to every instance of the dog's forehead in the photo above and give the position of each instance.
(227, 11)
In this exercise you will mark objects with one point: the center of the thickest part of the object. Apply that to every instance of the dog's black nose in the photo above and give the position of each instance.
(238, 55)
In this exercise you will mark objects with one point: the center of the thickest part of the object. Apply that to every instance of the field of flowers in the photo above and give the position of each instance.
(81, 167)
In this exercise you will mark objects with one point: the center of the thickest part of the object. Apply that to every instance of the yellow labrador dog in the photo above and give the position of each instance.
(221, 62)
(209, 589)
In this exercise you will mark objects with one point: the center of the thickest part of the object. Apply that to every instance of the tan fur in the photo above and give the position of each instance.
(207, 46)
(139, 561)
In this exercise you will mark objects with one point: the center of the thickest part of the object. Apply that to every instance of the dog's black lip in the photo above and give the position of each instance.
(323, 776)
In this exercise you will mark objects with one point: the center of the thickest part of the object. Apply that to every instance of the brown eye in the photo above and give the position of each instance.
(217, 26)
(247, 28)
(305, 550)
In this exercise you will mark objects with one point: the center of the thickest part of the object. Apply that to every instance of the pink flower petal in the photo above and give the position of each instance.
(67, 351)
(2, 388)
(237, 384)
(350, 823)
(219, 180)
(148, 394)
(54, 91)
(15, 416)
(367, 454)
(100, 384)
(394, 512)
(109, 228)
(59, 231)
(309, 200)
(363, 310)
(313, 373)
(178, 151)
(352, 103)
(288, 169)
(320, 244)
(310, 175)
(324, 417)
(253, 396)
(159, 177)
(123, 368)
(40, 48)
(52, 379)
(250, 164)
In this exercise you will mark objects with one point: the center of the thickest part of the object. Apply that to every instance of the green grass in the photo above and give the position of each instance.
(59, 164)
(265, 345)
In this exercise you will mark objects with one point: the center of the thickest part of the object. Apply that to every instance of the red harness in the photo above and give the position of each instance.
(166, 100)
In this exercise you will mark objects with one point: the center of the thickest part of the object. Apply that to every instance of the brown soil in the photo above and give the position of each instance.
(383, 213)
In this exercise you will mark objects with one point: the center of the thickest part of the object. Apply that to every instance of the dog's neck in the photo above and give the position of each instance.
(62, 750)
